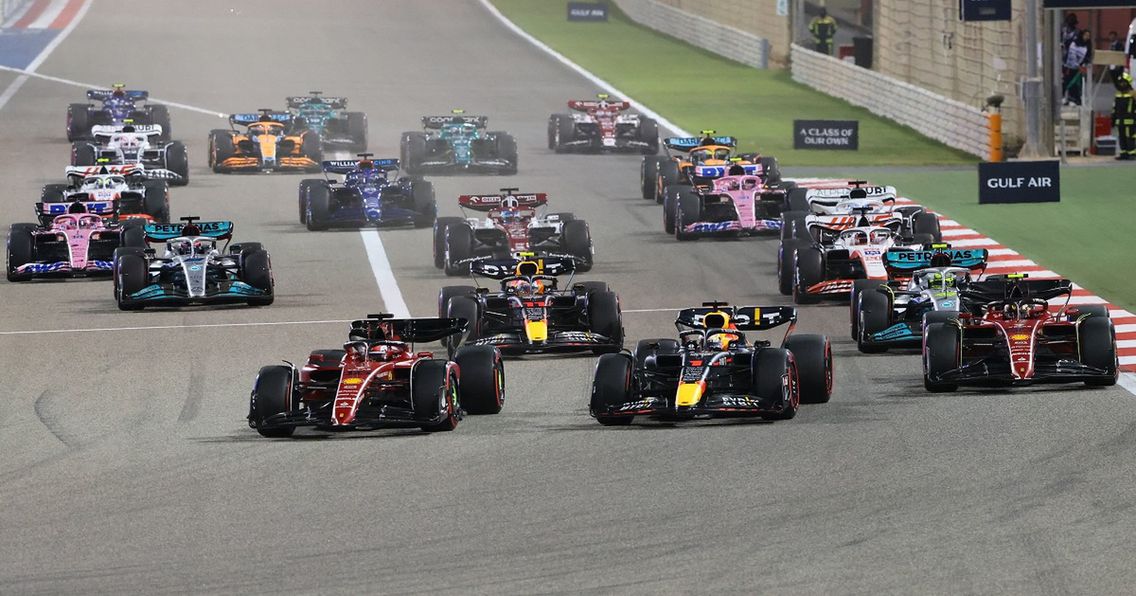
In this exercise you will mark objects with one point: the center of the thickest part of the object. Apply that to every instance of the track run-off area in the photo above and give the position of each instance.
(129, 466)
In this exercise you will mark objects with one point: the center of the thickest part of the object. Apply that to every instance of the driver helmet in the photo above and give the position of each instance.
(700, 155)
(521, 286)
(356, 350)
(381, 352)
(510, 210)
(880, 236)
(1010, 310)
(118, 91)
(202, 247)
(182, 247)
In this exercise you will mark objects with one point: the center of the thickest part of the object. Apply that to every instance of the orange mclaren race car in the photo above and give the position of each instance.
(685, 154)
(268, 143)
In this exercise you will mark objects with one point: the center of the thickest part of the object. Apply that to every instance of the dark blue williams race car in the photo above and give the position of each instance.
(119, 105)
(368, 195)
(458, 144)
(193, 270)
(329, 117)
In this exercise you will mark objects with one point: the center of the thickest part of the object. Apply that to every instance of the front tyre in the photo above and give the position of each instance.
(482, 380)
(271, 396)
(611, 389)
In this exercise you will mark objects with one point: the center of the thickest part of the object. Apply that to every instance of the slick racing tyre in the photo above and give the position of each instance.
(220, 148)
(787, 264)
(305, 186)
(434, 395)
(357, 131)
(925, 223)
(506, 149)
(318, 210)
(412, 150)
(424, 204)
(670, 208)
(459, 247)
(21, 250)
(312, 149)
(130, 276)
(649, 134)
(78, 122)
(771, 171)
(793, 225)
(577, 240)
(795, 200)
(649, 176)
(441, 224)
(465, 307)
(859, 286)
(809, 271)
(83, 154)
(1097, 339)
(689, 211)
(272, 395)
(668, 176)
(940, 354)
(156, 202)
(133, 234)
(875, 316)
(448, 292)
(160, 116)
(481, 386)
(611, 388)
(177, 161)
(256, 271)
(604, 318)
(52, 193)
(775, 381)
(812, 354)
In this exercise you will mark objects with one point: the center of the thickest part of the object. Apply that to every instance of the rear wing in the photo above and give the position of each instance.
(344, 166)
(436, 122)
(719, 171)
(854, 191)
(106, 130)
(497, 202)
(527, 266)
(742, 318)
(247, 119)
(583, 105)
(687, 143)
(299, 101)
(161, 232)
(104, 208)
(1017, 286)
(899, 260)
(105, 94)
(126, 169)
(383, 327)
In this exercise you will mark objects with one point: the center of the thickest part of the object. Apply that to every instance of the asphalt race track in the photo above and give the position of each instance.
(128, 465)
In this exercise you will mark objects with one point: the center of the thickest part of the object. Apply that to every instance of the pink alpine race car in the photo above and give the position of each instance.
(74, 244)
(738, 204)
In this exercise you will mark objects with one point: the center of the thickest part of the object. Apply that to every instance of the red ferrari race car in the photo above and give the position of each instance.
(512, 225)
(378, 380)
(600, 125)
(1008, 335)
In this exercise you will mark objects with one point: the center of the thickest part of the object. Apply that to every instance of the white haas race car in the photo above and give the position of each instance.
(828, 261)
(843, 208)
(107, 190)
(137, 144)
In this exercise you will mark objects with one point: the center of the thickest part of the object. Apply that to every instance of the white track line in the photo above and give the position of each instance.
(15, 85)
(168, 327)
(580, 70)
(384, 274)
(1128, 381)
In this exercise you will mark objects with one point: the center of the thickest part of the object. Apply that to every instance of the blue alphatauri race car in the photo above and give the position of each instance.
(458, 144)
(367, 196)
(119, 105)
(193, 269)
(328, 116)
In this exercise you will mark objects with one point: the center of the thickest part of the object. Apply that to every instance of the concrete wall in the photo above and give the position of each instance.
(726, 27)
(951, 122)
(923, 42)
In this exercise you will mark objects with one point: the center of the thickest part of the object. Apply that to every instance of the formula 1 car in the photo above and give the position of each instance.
(530, 313)
(839, 208)
(683, 154)
(923, 288)
(458, 143)
(599, 125)
(107, 190)
(826, 263)
(511, 226)
(736, 204)
(74, 244)
(193, 270)
(713, 371)
(269, 143)
(379, 380)
(367, 196)
(328, 117)
(1009, 335)
(118, 105)
(135, 144)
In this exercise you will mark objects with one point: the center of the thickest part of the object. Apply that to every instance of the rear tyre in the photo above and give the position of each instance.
(464, 307)
(649, 133)
(272, 395)
(771, 171)
(441, 224)
(256, 271)
(812, 354)
(434, 395)
(689, 211)
(448, 292)
(412, 151)
(611, 388)
(577, 239)
(793, 225)
(649, 177)
(809, 272)
(482, 380)
(506, 149)
(875, 316)
(668, 176)
(927, 223)
(21, 250)
(177, 161)
(940, 354)
(78, 122)
(1098, 348)
(160, 116)
(357, 130)
(424, 204)
(459, 247)
(775, 381)
(83, 154)
(796, 200)
(318, 204)
(156, 202)
(604, 318)
(52, 193)
(133, 235)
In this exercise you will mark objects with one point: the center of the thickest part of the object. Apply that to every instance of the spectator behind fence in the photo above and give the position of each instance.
(1078, 57)
(823, 28)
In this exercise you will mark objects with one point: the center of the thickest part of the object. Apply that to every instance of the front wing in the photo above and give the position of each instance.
(169, 295)
(516, 342)
(708, 228)
(712, 405)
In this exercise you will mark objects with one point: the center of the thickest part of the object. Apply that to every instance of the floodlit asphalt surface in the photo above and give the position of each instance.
(128, 467)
